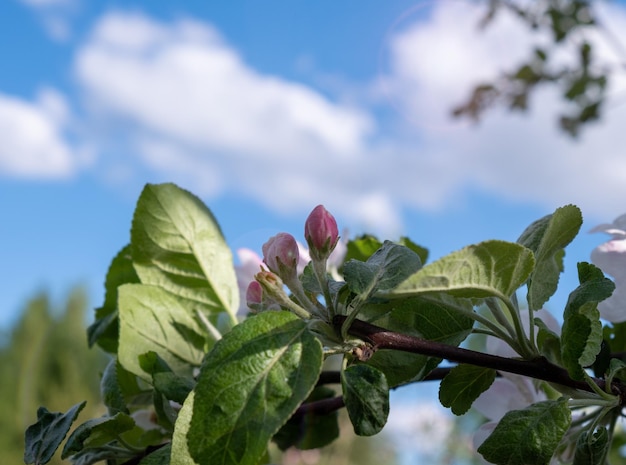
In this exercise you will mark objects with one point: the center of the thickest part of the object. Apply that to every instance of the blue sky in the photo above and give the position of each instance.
(266, 109)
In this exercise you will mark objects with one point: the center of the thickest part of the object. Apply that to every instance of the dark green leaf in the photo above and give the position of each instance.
(44, 437)
(161, 456)
(98, 455)
(177, 244)
(312, 430)
(436, 317)
(491, 268)
(581, 336)
(617, 369)
(362, 248)
(462, 386)
(529, 436)
(104, 330)
(97, 432)
(547, 238)
(366, 394)
(418, 249)
(548, 342)
(164, 380)
(603, 359)
(385, 269)
(111, 391)
(152, 319)
(249, 385)
(591, 447)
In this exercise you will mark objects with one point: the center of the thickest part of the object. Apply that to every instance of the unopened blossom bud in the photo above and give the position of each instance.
(321, 233)
(254, 295)
(270, 284)
(274, 293)
(281, 255)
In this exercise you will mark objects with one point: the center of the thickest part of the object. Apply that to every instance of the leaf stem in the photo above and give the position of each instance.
(319, 268)
(209, 326)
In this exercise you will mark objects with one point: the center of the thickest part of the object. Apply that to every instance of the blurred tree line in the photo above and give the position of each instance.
(44, 360)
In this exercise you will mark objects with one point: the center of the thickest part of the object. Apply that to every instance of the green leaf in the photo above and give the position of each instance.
(548, 342)
(164, 380)
(178, 245)
(180, 449)
(151, 319)
(97, 432)
(385, 269)
(249, 385)
(160, 456)
(491, 268)
(44, 437)
(418, 249)
(105, 329)
(362, 248)
(591, 447)
(366, 394)
(436, 317)
(312, 430)
(617, 369)
(98, 455)
(529, 436)
(547, 238)
(110, 389)
(581, 336)
(462, 386)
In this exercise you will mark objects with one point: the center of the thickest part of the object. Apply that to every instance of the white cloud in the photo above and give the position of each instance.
(199, 113)
(183, 82)
(55, 15)
(432, 67)
(33, 144)
(196, 113)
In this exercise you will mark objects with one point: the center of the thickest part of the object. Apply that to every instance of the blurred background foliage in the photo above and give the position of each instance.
(44, 361)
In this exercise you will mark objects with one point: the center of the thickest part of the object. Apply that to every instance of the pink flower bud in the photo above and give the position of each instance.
(321, 233)
(254, 295)
(281, 255)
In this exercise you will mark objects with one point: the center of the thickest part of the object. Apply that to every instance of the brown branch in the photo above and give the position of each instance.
(320, 407)
(540, 368)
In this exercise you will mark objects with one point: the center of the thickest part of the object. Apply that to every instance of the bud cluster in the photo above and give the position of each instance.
(281, 255)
